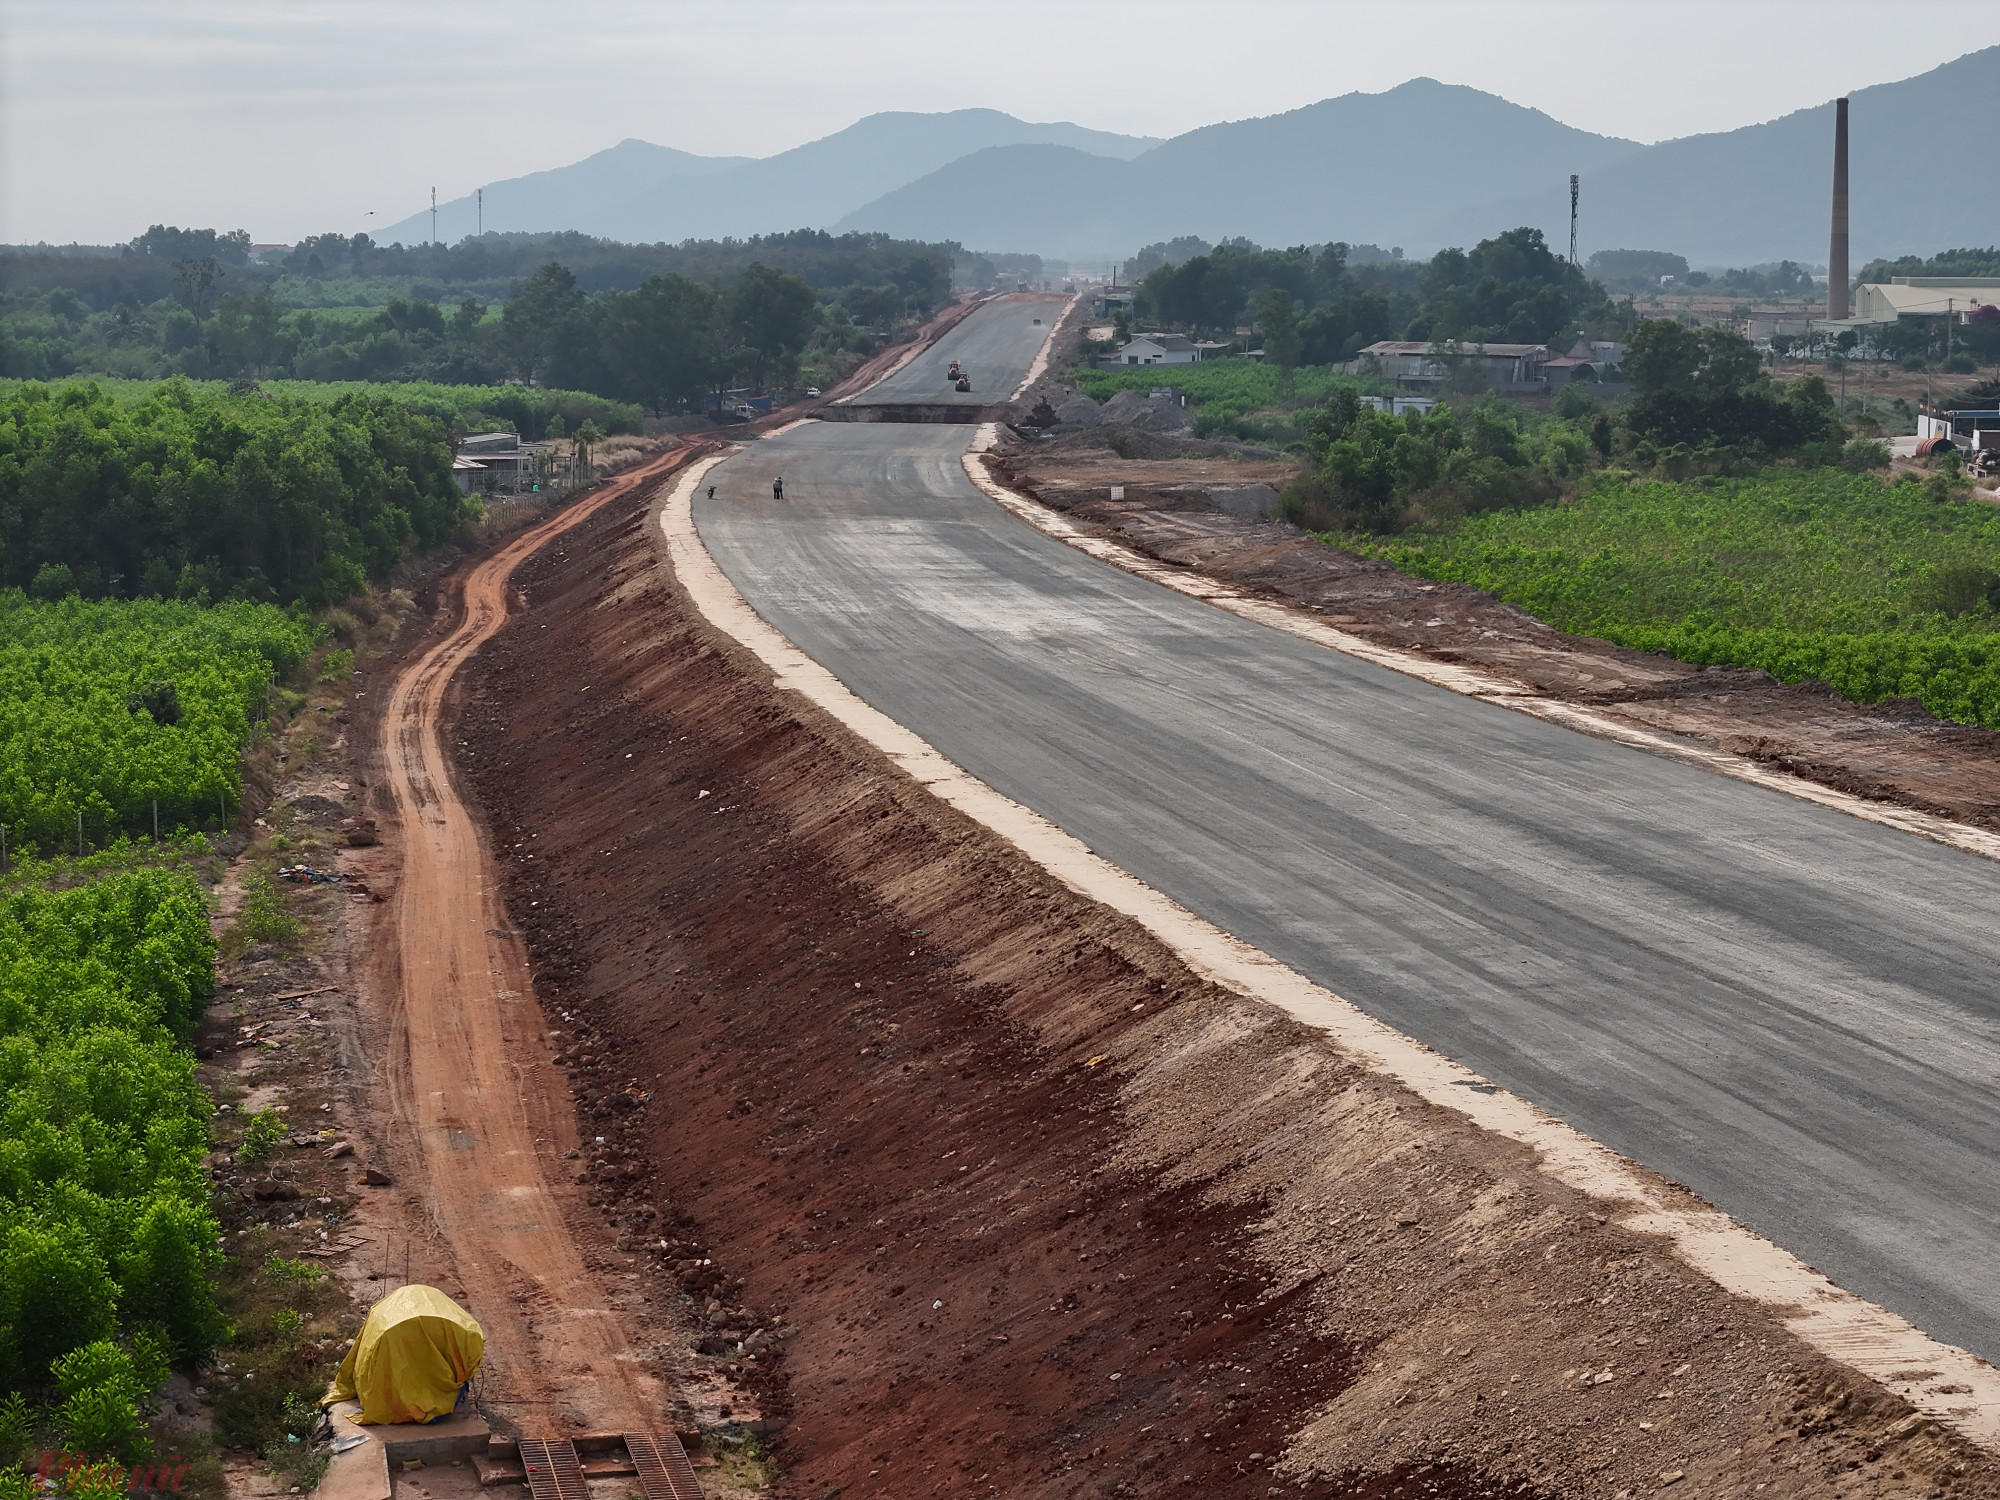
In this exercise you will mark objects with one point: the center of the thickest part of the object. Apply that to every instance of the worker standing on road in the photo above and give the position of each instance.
(711, 492)
(778, 488)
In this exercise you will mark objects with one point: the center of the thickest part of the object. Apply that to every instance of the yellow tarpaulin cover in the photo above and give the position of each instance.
(416, 1349)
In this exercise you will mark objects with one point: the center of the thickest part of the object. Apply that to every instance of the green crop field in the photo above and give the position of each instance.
(77, 734)
(1879, 590)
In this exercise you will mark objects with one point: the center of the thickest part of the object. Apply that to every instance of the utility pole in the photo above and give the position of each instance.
(1572, 219)
(1573, 278)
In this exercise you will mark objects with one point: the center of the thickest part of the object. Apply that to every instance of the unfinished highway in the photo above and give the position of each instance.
(997, 343)
(1789, 1009)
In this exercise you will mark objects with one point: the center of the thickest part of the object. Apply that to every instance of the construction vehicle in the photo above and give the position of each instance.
(964, 383)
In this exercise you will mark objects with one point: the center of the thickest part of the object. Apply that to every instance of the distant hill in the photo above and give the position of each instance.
(1423, 165)
(1054, 200)
(1763, 193)
(643, 194)
(815, 185)
(562, 197)
(1359, 167)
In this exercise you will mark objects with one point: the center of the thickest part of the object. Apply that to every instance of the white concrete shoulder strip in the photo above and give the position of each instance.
(1041, 364)
(1946, 1383)
(1469, 681)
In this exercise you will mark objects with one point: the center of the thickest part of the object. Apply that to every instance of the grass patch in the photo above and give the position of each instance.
(743, 1466)
(266, 917)
(267, 1381)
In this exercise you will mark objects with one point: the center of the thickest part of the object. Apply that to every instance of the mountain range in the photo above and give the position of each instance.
(641, 193)
(1422, 165)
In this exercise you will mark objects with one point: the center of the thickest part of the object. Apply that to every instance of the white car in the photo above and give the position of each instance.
(812, 390)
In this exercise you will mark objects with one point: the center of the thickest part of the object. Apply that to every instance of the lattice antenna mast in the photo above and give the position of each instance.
(434, 216)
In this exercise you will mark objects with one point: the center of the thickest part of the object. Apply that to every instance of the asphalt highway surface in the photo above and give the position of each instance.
(1790, 1010)
(997, 343)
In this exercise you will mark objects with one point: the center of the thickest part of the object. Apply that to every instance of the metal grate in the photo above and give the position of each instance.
(664, 1470)
(553, 1470)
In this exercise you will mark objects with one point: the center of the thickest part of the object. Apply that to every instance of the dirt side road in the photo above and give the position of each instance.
(484, 1117)
(988, 1195)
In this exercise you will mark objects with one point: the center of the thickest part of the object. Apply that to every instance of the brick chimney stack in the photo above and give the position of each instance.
(1836, 256)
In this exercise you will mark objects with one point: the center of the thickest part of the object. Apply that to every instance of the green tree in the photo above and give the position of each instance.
(194, 283)
(772, 313)
(465, 321)
(1704, 388)
(542, 325)
(587, 437)
(247, 334)
(1204, 293)
(1282, 340)
(659, 342)
(876, 307)
(1663, 355)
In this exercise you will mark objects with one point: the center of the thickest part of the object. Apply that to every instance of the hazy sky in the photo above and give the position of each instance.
(288, 117)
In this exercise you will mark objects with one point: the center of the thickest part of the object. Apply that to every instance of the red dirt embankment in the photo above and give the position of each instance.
(995, 1196)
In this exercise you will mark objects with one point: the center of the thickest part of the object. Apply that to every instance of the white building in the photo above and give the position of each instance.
(1923, 296)
(1878, 304)
(1162, 349)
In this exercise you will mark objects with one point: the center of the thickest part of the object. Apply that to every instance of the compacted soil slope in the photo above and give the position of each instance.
(977, 1191)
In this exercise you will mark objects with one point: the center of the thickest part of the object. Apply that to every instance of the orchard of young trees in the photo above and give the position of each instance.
(194, 494)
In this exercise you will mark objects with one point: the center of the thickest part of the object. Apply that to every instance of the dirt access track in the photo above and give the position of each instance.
(470, 1089)
(965, 1181)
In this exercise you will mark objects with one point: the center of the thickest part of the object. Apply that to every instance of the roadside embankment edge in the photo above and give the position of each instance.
(1945, 1383)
